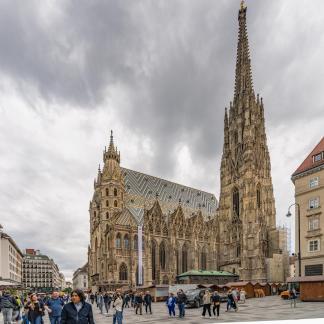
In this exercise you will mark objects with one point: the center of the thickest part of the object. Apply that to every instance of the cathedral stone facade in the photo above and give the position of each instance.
(145, 230)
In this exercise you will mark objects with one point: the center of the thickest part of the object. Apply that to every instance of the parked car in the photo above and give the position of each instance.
(195, 297)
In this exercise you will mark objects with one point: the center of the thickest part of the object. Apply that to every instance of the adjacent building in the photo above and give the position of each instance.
(11, 259)
(40, 273)
(309, 196)
(147, 231)
(80, 278)
(62, 281)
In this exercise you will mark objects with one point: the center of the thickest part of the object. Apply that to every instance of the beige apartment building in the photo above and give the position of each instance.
(40, 273)
(11, 259)
(80, 278)
(309, 195)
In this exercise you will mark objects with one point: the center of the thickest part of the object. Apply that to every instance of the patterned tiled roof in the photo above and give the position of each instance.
(142, 190)
(309, 163)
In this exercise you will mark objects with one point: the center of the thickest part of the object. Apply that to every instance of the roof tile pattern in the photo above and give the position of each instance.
(142, 190)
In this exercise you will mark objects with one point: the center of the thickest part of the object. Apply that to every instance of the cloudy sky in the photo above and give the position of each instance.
(159, 73)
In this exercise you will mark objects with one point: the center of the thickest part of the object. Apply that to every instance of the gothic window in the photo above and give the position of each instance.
(94, 214)
(235, 137)
(126, 242)
(238, 251)
(203, 260)
(236, 202)
(184, 259)
(153, 258)
(162, 256)
(123, 272)
(107, 215)
(118, 241)
(115, 192)
(107, 192)
(135, 242)
(165, 230)
(177, 262)
(115, 203)
(165, 280)
(107, 203)
(258, 197)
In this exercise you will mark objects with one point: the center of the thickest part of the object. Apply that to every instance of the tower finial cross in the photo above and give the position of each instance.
(242, 4)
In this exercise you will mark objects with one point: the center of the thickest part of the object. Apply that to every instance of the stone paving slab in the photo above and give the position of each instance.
(255, 309)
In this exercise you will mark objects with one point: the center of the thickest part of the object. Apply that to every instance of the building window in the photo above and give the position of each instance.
(115, 192)
(153, 258)
(107, 192)
(317, 157)
(118, 241)
(314, 270)
(203, 261)
(135, 242)
(258, 197)
(107, 215)
(126, 242)
(107, 203)
(313, 182)
(162, 256)
(314, 203)
(115, 203)
(123, 272)
(313, 223)
(184, 259)
(236, 202)
(314, 246)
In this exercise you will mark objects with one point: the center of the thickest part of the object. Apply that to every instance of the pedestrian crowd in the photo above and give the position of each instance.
(76, 308)
(31, 309)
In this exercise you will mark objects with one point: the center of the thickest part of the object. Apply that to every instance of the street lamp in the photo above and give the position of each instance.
(299, 253)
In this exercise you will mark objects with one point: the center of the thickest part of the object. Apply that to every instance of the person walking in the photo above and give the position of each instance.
(181, 301)
(235, 300)
(118, 306)
(92, 298)
(148, 302)
(216, 303)
(107, 301)
(35, 309)
(293, 297)
(230, 301)
(242, 295)
(7, 305)
(78, 311)
(170, 302)
(16, 310)
(54, 306)
(207, 304)
(139, 302)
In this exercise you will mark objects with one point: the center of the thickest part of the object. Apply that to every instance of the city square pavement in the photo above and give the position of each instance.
(255, 309)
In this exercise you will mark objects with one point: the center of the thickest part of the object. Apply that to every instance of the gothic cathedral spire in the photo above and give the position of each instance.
(246, 204)
(243, 73)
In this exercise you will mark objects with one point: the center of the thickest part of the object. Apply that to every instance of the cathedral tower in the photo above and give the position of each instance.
(246, 206)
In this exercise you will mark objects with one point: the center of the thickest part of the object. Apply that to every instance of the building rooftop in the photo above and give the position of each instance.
(8, 237)
(313, 160)
(207, 273)
(142, 190)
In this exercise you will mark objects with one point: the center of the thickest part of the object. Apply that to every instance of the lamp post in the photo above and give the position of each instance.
(298, 216)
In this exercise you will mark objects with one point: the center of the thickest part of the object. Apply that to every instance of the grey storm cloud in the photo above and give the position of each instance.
(173, 62)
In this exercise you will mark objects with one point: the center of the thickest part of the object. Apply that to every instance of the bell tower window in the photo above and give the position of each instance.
(236, 202)
(115, 192)
(115, 203)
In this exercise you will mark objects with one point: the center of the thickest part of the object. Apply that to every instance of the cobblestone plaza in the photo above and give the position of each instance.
(255, 309)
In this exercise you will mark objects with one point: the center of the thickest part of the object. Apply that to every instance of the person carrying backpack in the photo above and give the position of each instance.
(7, 305)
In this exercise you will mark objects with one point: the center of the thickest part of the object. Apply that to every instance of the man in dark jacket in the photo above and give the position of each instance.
(181, 301)
(78, 311)
(7, 304)
(148, 302)
(138, 302)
